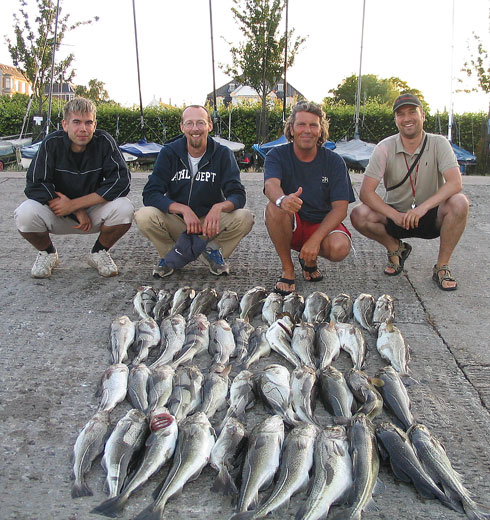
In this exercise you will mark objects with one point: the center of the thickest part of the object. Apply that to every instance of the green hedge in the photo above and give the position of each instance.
(376, 123)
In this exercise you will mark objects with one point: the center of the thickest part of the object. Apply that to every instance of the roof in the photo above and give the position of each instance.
(66, 88)
(12, 71)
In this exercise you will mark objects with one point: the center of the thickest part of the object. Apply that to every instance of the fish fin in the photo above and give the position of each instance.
(376, 381)
(408, 380)
(81, 490)
(245, 515)
(110, 507)
(476, 511)
(346, 514)
(150, 514)
(401, 475)
(224, 483)
(379, 488)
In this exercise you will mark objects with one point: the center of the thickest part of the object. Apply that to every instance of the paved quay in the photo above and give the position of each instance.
(55, 334)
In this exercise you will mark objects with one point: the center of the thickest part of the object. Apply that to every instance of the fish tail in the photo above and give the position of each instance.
(150, 514)
(475, 511)
(347, 514)
(246, 515)
(81, 490)
(224, 483)
(111, 507)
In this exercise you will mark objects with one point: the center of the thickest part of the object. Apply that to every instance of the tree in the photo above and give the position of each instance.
(379, 90)
(32, 48)
(95, 91)
(258, 61)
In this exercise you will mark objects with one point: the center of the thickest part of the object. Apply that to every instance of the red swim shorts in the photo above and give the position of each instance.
(302, 231)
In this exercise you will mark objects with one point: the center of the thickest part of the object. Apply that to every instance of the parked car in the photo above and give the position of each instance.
(7, 154)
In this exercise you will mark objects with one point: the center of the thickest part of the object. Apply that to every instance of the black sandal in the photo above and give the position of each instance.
(288, 281)
(447, 277)
(402, 253)
(310, 269)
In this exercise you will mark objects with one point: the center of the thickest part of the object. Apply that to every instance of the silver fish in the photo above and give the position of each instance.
(89, 444)
(294, 305)
(252, 302)
(333, 473)
(203, 302)
(221, 342)
(194, 445)
(328, 344)
(147, 338)
(258, 346)
(227, 304)
(159, 449)
(241, 331)
(242, 396)
(341, 308)
(172, 331)
(261, 462)
(163, 304)
(353, 342)
(435, 461)
(279, 336)
(122, 337)
(317, 307)
(392, 346)
(138, 386)
(126, 439)
(214, 391)
(370, 399)
(196, 339)
(363, 309)
(272, 307)
(144, 301)
(113, 387)
(181, 300)
(303, 343)
(303, 391)
(395, 395)
(335, 394)
(384, 310)
(229, 442)
(160, 384)
(186, 392)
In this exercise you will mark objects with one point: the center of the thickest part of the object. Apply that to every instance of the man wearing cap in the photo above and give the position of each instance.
(423, 193)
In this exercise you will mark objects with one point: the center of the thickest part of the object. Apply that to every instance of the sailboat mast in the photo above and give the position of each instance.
(450, 118)
(359, 80)
(142, 120)
(215, 111)
(284, 93)
(50, 96)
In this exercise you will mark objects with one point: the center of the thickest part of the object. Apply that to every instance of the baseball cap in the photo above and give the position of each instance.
(406, 99)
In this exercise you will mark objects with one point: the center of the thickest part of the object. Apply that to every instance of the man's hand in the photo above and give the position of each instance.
(292, 203)
(85, 224)
(61, 206)
(192, 222)
(210, 227)
(309, 251)
(412, 216)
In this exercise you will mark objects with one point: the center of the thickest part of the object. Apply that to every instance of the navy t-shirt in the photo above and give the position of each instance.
(324, 180)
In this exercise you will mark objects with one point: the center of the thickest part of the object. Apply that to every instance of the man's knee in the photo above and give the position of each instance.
(359, 216)
(458, 205)
(118, 212)
(245, 220)
(275, 216)
(146, 217)
(26, 214)
(338, 248)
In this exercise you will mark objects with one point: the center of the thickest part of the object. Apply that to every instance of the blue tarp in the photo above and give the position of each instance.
(356, 153)
(142, 149)
(29, 152)
(263, 149)
(464, 157)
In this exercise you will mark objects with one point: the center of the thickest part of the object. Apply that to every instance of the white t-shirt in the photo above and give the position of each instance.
(194, 163)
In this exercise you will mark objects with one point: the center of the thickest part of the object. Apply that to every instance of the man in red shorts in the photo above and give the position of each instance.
(309, 190)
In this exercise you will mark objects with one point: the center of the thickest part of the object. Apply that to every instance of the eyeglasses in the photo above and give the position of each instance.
(190, 124)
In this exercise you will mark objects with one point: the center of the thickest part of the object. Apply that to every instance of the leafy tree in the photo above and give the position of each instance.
(32, 48)
(259, 60)
(95, 91)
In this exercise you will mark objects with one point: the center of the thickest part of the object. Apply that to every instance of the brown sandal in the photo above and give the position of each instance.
(402, 253)
(447, 277)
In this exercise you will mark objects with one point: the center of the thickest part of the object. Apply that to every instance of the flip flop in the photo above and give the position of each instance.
(310, 269)
(289, 281)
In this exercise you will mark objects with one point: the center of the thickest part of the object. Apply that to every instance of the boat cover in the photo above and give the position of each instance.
(29, 152)
(356, 153)
(263, 149)
(464, 157)
(142, 149)
(233, 146)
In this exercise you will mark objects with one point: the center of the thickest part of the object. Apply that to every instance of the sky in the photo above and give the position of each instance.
(416, 41)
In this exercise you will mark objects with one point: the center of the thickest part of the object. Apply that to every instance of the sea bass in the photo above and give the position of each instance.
(335, 393)
(227, 304)
(272, 308)
(181, 300)
(160, 384)
(241, 332)
(242, 396)
(317, 307)
(252, 302)
(203, 302)
(113, 387)
(214, 390)
(294, 305)
(258, 346)
(328, 344)
(144, 301)
(353, 342)
(303, 343)
(196, 339)
(363, 309)
(392, 346)
(303, 392)
(221, 342)
(186, 392)
(163, 304)
(384, 310)
(147, 337)
(172, 330)
(138, 386)
(370, 399)
(122, 337)
(341, 308)
(279, 335)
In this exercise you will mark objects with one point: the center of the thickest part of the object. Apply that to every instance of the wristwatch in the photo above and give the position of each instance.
(279, 200)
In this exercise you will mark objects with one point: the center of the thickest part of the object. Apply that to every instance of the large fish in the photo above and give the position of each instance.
(126, 439)
(147, 338)
(221, 342)
(194, 444)
(122, 337)
(272, 308)
(395, 395)
(335, 394)
(279, 335)
(113, 387)
(261, 462)
(258, 346)
(228, 444)
(89, 444)
(364, 391)
(227, 304)
(163, 304)
(303, 343)
(353, 342)
(186, 392)
(181, 300)
(294, 472)
(203, 302)
(159, 449)
(363, 309)
(196, 339)
(252, 302)
(384, 310)
(332, 478)
(160, 384)
(138, 386)
(317, 307)
(242, 396)
(303, 393)
(241, 332)
(144, 301)
(214, 390)
(172, 330)
(294, 305)
(435, 461)
(392, 346)
(327, 343)
(406, 467)
(341, 310)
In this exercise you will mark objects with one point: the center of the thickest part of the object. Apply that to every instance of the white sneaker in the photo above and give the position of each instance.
(44, 264)
(103, 262)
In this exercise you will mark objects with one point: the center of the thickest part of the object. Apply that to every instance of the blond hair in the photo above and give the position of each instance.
(79, 105)
(312, 108)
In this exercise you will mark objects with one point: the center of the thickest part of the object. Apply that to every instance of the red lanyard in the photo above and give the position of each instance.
(413, 184)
